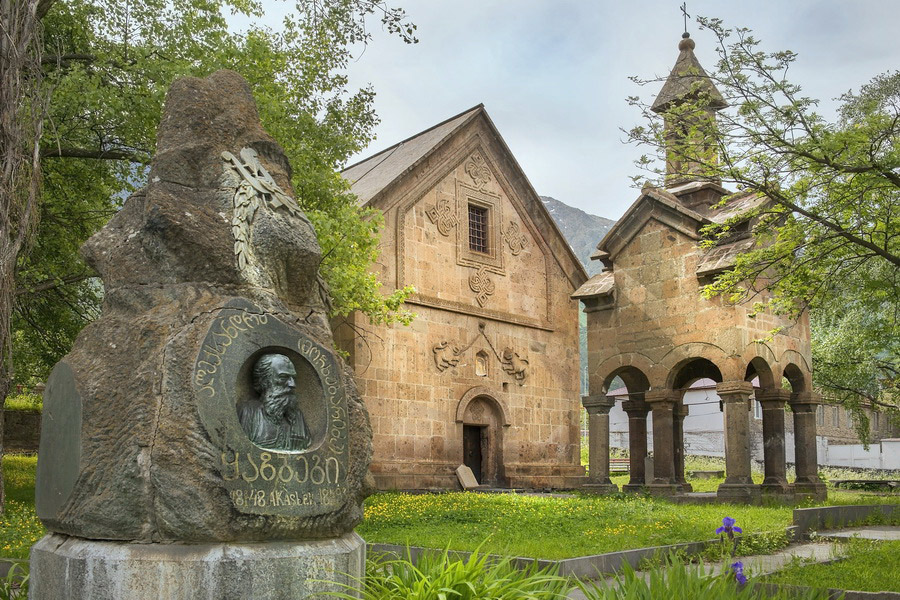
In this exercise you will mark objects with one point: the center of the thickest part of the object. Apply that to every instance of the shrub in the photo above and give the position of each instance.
(438, 576)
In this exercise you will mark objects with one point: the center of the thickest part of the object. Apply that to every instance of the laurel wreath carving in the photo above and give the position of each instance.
(257, 188)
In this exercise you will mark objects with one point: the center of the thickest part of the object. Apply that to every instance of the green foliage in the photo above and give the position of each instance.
(438, 576)
(24, 402)
(828, 238)
(678, 580)
(108, 65)
(15, 585)
(868, 566)
(19, 525)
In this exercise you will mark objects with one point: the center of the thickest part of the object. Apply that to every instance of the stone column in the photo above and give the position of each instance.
(598, 443)
(636, 409)
(680, 412)
(807, 484)
(738, 485)
(662, 402)
(773, 402)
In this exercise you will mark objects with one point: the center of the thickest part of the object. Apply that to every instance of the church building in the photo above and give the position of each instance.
(487, 375)
(650, 327)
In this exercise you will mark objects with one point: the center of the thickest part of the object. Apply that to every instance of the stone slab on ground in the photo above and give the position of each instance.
(872, 532)
(466, 477)
(67, 568)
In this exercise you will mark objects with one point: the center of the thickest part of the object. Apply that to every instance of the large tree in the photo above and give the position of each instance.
(106, 67)
(829, 239)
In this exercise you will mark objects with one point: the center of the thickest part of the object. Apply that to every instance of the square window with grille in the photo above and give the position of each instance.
(478, 229)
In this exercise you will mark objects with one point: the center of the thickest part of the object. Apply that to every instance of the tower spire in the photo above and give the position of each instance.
(688, 102)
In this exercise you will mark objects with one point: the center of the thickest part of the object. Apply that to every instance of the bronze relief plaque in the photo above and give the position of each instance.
(272, 401)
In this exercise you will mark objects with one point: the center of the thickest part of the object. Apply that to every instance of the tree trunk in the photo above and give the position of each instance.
(21, 116)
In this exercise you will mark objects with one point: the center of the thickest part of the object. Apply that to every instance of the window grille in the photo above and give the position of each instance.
(478, 228)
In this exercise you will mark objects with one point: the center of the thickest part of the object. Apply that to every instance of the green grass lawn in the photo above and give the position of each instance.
(870, 566)
(552, 528)
(19, 526)
(517, 525)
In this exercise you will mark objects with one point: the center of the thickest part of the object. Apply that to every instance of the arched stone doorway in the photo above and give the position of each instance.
(482, 418)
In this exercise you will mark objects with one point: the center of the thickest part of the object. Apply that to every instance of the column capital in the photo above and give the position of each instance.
(660, 395)
(772, 398)
(805, 398)
(734, 391)
(638, 407)
(597, 404)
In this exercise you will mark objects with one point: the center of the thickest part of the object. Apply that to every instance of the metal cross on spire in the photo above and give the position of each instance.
(684, 12)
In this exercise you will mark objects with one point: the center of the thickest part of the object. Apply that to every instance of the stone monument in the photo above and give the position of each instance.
(202, 439)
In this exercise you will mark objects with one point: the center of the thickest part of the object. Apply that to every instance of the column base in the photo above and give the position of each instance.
(738, 493)
(632, 488)
(776, 488)
(686, 487)
(70, 568)
(809, 490)
(664, 489)
(600, 488)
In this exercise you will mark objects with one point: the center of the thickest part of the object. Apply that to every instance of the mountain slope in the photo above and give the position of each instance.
(583, 231)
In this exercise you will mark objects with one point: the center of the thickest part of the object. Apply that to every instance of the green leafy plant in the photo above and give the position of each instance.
(15, 585)
(438, 576)
(678, 580)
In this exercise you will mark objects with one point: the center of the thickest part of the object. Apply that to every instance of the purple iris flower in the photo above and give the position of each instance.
(738, 569)
(728, 527)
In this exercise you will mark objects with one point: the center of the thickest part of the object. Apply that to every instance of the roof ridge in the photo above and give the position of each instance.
(479, 106)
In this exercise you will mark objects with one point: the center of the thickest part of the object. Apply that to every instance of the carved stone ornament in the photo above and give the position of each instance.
(514, 364)
(445, 356)
(477, 169)
(256, 188)
(514, 237)
(442, 215)
(480, 283)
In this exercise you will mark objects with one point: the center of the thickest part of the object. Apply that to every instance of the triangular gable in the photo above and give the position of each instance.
(370, 177)
(373, 177)
(653, 203)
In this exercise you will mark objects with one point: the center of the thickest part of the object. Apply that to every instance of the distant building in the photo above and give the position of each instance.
(488, 373)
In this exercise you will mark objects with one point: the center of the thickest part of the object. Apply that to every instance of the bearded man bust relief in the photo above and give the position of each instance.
(273, 420)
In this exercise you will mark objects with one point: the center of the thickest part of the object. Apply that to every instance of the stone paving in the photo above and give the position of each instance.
(872, 532)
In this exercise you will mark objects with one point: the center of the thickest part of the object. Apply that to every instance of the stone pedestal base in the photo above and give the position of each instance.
(634, 488)
(813, 490)
(664, 489)
(600, 488)
(70, 568)
(776, 489)
(738, 493)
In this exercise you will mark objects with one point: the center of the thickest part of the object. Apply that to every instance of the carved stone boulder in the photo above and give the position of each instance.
(207, 270)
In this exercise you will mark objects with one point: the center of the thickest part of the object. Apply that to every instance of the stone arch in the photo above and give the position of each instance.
(637, 365)
(678, 356)
(689, 370)
(797, 378)
(482, 392)
(759, 367)
(635, 380)
(482, 420)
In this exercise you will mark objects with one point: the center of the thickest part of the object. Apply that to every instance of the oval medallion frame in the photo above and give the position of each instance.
(259, 480)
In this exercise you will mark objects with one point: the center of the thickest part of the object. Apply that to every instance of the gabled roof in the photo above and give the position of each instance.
(687, 79)
(666, 207)
(370, 176)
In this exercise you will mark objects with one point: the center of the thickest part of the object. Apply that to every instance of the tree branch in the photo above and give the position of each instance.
(129, 155)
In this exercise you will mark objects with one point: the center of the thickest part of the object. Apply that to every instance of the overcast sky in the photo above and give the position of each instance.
(553, 74)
